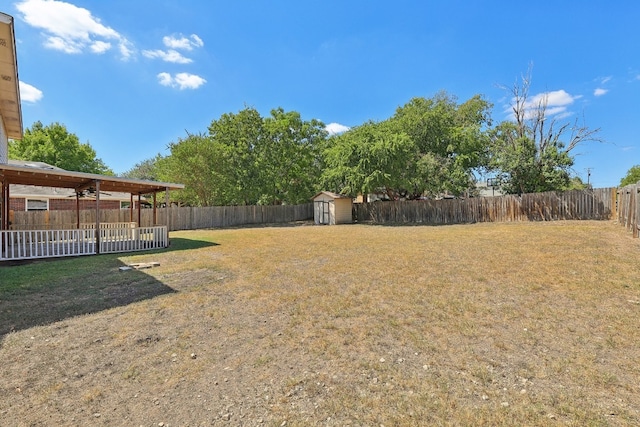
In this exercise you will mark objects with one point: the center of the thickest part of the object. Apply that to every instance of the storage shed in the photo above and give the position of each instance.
(331, 208)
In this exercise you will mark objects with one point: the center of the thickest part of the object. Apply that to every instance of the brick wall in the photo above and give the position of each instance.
(70, 204)
(19, 204)
(16, 204)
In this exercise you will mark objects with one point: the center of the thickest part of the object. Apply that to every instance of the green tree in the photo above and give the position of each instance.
(529, 153)
(235, 139)
(197, 162)
(576, 183)
(247, 159)
(433, 147)
(632, 176)
(370, 158)
(55, 145)
(288, 157)
(146, 169)
(450, 138)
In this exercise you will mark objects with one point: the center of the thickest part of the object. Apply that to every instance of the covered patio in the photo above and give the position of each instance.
(84, 239)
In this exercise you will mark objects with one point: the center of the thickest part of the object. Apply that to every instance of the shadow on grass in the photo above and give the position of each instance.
(41, 292)
(47, 291)
(182, 244)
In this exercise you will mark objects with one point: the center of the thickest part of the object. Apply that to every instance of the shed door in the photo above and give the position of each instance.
(323, 209)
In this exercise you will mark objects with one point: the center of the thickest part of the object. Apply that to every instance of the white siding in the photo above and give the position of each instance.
(342, 211)
(4, 144)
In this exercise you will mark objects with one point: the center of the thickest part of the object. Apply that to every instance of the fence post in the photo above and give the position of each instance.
(636, 208)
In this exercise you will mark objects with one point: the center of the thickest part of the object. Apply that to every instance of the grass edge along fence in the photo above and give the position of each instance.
(628, 207)
(592, 204)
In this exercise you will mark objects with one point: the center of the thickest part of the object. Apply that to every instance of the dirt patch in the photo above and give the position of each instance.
(504, 324)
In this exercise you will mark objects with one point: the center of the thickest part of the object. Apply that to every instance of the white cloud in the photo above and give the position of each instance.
(600, 92)
(100, 46)
(165, 79)
(71, 29)
(174, 43)
(182, 42)
(556, 98)
(168, 56)
(181, 80)
(29, 93)
(336, 128)
(196, 41)
(556, 104)
(605, 79)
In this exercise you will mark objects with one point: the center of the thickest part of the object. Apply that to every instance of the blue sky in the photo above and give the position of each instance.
(129, 77)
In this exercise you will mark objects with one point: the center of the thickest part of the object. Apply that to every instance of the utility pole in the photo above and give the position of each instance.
(588, 176)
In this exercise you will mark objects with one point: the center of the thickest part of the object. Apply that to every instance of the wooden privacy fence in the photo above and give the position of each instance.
(597, 204)
(185, 218)
(550, 206)
(230, 216)
(628, 207)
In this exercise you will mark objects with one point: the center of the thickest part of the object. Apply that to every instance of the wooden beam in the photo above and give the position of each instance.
(97, 217)
(85, 186)
(167, 210)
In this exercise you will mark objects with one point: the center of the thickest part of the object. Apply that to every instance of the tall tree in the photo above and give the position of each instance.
(247, 159)
(532, 152)
(146, 169)
(371, 158)
(450, 138)
(55, 145)
(236, 137)
(632, 176)
(288, 157)
(429, 147)
(197, 162)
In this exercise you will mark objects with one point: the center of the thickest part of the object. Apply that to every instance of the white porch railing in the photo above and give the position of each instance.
(132, 239)
(92, 225)
(32, 244)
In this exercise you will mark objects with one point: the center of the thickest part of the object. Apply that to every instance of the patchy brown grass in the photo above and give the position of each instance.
(487, 324)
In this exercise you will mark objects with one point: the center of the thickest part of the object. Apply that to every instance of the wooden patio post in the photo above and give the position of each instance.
(2, 206)
(5, 204)
(77, 210)
(97, 181)
(3, 215)
(167, 210)
(155, 211)
(131, 207)
(139, 208)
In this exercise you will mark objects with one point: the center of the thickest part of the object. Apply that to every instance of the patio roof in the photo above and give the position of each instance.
(10, 110)
(29, 175)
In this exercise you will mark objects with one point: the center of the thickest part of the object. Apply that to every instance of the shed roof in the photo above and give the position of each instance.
(35, 174)
(10, 109)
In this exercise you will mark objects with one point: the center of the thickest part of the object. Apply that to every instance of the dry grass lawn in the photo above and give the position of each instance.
(486, 324)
